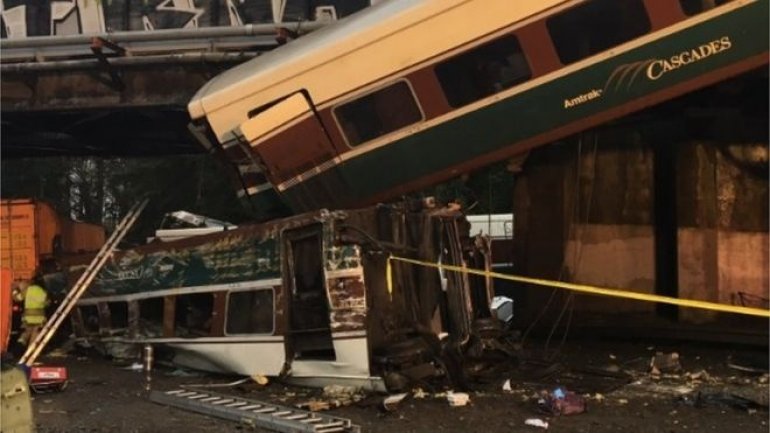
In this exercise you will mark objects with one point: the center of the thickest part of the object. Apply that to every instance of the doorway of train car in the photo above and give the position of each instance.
(309, 334)
(292, 141)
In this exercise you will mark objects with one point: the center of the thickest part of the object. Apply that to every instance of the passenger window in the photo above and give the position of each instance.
(151, 317)
(694, 7)
(483, 71)
(118, 314)
(378, 113)
(193, 315)
(250, 312)
(90, 315)
(596, 26)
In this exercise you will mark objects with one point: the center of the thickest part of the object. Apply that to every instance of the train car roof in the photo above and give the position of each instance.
(297, 52)
(265, 73)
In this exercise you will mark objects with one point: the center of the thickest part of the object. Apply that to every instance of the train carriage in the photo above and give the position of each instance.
(409, 93)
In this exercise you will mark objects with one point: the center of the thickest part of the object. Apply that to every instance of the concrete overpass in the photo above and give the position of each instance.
(86, 77)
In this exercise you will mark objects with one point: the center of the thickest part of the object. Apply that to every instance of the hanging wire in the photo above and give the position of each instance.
(569, 303)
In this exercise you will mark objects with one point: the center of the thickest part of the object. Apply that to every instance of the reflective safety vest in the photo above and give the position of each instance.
(34, 305)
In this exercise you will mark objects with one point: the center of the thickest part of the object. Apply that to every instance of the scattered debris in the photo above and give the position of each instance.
(260, 379)
(390, 403)
(536, 422)
(665, 363)
(137, 366)
(507, 386)
(748, 365)
(457, 398)
(334, 396)
(561, 402)
(419, 393)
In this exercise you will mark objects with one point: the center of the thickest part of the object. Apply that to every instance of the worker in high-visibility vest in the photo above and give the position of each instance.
(35, 300)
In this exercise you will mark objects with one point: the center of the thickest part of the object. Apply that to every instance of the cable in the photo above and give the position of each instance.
(578, 258)
(569, 236)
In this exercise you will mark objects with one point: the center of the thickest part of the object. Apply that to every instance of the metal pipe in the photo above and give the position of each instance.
(161, 35)
(118, 62)
(234, 43)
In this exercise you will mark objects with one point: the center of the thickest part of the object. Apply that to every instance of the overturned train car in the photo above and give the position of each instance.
(306, 298)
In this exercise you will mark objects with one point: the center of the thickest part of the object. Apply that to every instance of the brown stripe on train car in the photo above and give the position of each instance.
(537, 47)
(429, 93)
(218, 314)
(169, 315)
(338, 141)
(663, 13)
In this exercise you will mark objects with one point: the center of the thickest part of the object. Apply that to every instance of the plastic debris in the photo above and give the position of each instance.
(561, 402)
(457, 398)
(507, 386)
(391, 402)
(536, 422)
(137, 366)
(259, 379)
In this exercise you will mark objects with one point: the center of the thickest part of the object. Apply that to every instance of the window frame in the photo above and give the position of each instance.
(480, 45)
(227, 312)
(371, 91)
(549, 20)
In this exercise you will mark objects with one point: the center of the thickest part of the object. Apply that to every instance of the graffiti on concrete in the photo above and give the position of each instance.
(26, 18)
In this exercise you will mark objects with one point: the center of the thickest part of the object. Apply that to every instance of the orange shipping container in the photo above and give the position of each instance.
(31, 232)
(6, 308)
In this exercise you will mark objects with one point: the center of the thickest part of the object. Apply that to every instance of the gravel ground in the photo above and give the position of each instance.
(104, 396)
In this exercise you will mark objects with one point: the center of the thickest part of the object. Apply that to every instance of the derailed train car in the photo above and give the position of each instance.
(408, 93)
(306, 298)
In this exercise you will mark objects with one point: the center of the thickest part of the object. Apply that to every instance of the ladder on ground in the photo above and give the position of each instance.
(56, 319)
(254, 413)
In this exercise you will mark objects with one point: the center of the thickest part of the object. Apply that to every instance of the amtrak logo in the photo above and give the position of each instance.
(582, 99)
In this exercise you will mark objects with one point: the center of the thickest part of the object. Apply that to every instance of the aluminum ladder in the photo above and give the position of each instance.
(254, 413)
(56, 319)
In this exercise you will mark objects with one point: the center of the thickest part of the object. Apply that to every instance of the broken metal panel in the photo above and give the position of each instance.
(348, 303)
(230, 258)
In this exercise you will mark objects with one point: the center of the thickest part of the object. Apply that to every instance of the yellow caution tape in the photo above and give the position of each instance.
(591, 290)
(389, 277)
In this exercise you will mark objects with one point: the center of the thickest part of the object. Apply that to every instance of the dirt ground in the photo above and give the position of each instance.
(105, 396)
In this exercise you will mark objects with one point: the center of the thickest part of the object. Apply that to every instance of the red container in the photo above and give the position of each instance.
(43, 378)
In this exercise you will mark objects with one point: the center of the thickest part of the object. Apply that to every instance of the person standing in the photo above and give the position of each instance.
(35, 300)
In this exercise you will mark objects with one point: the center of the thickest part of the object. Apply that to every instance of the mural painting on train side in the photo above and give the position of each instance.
(27, 18)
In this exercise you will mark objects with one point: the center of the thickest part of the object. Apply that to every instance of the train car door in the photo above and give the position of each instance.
(293, 145)
(309, 334)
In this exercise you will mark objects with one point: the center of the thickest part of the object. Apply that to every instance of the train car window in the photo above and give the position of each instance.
(151, 317)
(90, 315)
(596, 26)
(118, 314)
(378, 113)
(250, 312)
(694, 7)
(483, 71)
(193, 315)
